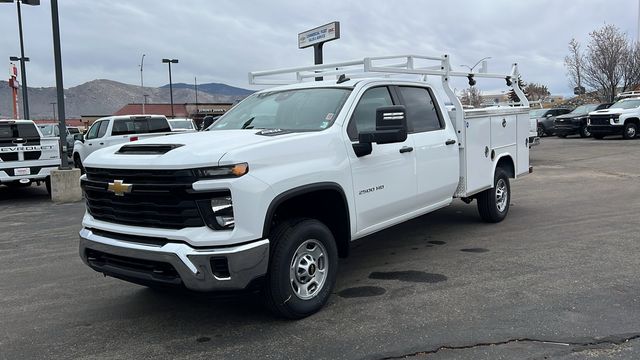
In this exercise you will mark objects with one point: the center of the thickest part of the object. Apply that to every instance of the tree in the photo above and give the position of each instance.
(610, 63)
(574, 63)
(471, 96)
(512, 94)
(536, 91)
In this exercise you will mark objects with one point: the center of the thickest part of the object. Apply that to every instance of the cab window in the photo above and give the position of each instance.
(364, 115)
(103, 129)
(421, 109)
(93, 131)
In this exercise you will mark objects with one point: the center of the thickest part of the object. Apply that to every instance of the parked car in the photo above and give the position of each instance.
(575, 122)
(281, 184)
(25, 155)
(52, 130)
(114, 130)
(544, 119)
(621, 118)
(182, 125)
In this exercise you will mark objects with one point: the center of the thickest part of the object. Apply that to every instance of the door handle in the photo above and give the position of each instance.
(101, 143)
(90, 144)
(450, 142)
(406, 149)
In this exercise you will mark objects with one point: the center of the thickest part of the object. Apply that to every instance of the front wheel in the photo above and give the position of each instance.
(302, 268)
(540, 131)
(493, 204)
(47, 184)
(584, 131)
(630, 131)
(77, 163)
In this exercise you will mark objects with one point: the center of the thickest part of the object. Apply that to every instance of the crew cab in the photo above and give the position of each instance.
(25, 155)
(621, 118)
(276, 189)
(575, 122)
(114, 130)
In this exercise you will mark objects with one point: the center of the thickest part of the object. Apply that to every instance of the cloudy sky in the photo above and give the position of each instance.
(220, 41)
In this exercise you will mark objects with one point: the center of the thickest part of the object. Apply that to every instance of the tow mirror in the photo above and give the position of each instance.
(391, 127)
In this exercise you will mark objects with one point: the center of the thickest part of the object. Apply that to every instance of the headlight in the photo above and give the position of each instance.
(217, 212)
(615, 119)
(228, 171)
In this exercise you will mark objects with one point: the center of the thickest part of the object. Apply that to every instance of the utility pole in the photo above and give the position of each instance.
(195, 82)
(57, 56)
(53, 107)
(169, 62)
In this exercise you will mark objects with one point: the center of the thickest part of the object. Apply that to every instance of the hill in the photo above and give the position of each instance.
(104, 97)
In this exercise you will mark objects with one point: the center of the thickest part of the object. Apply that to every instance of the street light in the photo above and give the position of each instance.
(476, 64)
(22, 58)
(170, 61)
(142, 82)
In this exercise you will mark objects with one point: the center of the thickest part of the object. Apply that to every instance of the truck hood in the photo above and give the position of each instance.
(189, 150)
(615, 111)
(572, 116)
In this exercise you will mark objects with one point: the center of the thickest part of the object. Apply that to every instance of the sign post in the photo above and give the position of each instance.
(14, 85)
(317, 37)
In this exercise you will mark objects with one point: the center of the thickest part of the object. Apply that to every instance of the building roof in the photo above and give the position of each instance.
(179, 110)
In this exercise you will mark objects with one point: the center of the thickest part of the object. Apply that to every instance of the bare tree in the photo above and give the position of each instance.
(536, 91)
(631, 67)
(574, 63)
(471, 96)
(604, 61)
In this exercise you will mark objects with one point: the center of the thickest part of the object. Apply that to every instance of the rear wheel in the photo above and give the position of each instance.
(630, 131)
(493, 204)
(584, 131)
(47, 184)
(302, 268)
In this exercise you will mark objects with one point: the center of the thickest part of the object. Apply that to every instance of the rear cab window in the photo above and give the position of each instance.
(140, 126)
(9, 132)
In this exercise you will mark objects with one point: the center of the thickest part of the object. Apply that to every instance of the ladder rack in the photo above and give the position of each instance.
(386, 66)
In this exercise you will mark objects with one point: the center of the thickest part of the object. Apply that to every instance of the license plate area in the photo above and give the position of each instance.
(21, 171)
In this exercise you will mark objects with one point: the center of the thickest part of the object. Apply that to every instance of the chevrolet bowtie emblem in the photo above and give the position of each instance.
(119, 188)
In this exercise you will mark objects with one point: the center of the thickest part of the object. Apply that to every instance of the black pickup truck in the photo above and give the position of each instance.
(575, 122)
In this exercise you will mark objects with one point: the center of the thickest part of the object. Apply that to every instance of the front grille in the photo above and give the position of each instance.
(158, 198)
(13, 156)
(599, 119)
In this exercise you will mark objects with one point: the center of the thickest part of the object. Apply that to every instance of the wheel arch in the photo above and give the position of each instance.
(506, 162)
(324, 196)
(634, 120)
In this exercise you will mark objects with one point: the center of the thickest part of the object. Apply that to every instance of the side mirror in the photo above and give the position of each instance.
(78, 137)
(391, 127)
(549, 115)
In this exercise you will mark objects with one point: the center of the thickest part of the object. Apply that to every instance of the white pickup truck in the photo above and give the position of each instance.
(25, 155)
(621, 118)
(115, 130)
(280, 185)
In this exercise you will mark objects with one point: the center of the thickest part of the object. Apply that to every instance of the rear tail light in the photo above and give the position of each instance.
(133, 138)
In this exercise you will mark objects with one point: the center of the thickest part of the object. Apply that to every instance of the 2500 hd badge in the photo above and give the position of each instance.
(371, 189)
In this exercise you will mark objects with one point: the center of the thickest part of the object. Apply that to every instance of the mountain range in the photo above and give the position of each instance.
(104, 97)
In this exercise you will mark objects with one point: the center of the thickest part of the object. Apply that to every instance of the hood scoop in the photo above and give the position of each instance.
(147, 149)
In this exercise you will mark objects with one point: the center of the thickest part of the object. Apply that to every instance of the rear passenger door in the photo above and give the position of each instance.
(436, 147)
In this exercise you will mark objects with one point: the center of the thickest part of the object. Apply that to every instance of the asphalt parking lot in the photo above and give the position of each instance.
(558, 279)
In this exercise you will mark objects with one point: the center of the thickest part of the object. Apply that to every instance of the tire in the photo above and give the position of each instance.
(541, 131)
(493, 204)
(302, 250)
(584, 132)
(598, 136)
(47, 184)
(77, 163)
(630, 131)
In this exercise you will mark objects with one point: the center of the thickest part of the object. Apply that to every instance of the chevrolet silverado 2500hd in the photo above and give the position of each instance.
(277, 188)
(114, 130)
(25, 155)
(621, 118)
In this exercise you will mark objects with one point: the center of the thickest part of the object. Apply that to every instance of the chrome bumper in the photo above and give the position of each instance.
(245, 262)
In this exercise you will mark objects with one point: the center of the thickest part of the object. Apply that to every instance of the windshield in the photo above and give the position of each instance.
(583, 109)
(536, 113)
(181, 124)
(47, 130)
(626, 104)
(295, 110)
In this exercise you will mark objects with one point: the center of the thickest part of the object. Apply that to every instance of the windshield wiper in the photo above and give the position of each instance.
(248, 123)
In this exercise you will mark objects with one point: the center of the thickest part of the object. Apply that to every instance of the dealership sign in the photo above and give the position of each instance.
(319, 35)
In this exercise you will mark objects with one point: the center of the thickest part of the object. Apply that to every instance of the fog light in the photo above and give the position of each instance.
(218, 211)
